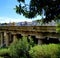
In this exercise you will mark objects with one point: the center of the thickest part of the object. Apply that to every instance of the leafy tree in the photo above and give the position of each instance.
(36, 7)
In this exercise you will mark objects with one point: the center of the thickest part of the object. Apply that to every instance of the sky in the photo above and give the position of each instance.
(8, 14)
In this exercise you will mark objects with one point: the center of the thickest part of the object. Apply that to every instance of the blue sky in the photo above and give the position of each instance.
(8, 14)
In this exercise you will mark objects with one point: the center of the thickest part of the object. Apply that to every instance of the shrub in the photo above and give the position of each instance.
(58, 53)
(19, 49)
(45, 51)
(4, 53)
(1, 57)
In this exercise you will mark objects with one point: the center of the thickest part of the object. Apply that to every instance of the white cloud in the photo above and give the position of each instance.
(19, 19)
(7, 20)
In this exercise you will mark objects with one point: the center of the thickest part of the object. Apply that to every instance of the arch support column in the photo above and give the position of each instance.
(6, 38)
(14, 37)
(1, 39)
(39, 41)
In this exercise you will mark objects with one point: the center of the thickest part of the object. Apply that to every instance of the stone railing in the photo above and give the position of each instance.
(29, 28)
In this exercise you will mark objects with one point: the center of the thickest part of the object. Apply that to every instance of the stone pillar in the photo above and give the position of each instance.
(39, 41)
(47, 38)
(39, 37)
(59, 39)
(6, 39)
(14, 37)
(1, 39)
(29, 37)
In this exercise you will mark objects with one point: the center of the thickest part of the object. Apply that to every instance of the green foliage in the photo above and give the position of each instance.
(36, 7)
(1, 57)
(45, 51)
(19, 49)
(58, 53)
(4, 51)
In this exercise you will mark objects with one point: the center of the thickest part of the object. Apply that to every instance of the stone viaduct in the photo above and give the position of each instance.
(40, 34)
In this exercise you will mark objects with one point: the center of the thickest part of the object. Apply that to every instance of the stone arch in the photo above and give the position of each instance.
(19, 36)
(48, 40)
(10, 38)
(34, 39)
